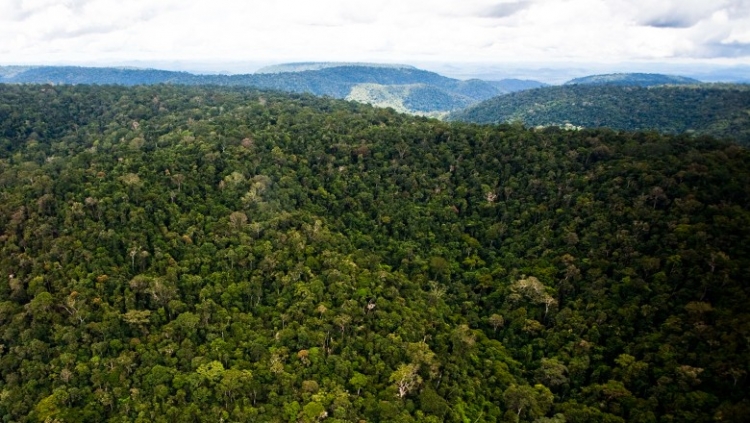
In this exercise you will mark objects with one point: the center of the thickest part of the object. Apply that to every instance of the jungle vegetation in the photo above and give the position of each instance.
(719, 110)
(405, 88)
(185, 254)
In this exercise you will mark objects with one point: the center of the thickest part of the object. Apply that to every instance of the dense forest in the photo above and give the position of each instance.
(405, 88)
(633, 80)
(719, 110)
(185, 254)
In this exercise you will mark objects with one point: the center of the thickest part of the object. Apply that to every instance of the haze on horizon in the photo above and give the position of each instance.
(226, 35)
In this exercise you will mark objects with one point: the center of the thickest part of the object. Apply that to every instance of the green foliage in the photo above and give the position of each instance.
(524, 400)
(405, 88)
(198, 254)
(707, 109)
(632, 80)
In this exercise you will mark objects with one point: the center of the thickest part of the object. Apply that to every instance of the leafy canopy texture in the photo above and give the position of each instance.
(719, 110)
(186, 254)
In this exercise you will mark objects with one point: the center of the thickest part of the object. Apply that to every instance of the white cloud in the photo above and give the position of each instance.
(54, 31)
(676, 13)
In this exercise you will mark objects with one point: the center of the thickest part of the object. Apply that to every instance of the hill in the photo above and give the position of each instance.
(719, 110)
(305, 66)
(175, 253)
(438, 94)
(414, 98)
(91, 75)
(633, 79)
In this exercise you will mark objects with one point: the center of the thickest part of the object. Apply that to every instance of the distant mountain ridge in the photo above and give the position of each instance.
(72, 75)
(305, 66)
(11, 71)
(633, 79)
(429, 92)
(721, 110)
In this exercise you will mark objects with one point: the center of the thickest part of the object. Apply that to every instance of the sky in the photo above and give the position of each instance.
(237, 35)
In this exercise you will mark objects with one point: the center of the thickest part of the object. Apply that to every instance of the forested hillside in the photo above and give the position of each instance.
(180, 254)
(410, 89)
(414, 98)
(633, 79)
(720, 110)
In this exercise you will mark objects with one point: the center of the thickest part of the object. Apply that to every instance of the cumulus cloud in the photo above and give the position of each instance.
(376, 30)
(669, 22)
(677, 13)
(503, 10)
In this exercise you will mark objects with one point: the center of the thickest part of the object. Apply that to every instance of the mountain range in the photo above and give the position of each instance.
(405, 88)
(622, 101)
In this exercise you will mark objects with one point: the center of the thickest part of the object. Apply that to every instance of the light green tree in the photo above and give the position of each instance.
(406, 379)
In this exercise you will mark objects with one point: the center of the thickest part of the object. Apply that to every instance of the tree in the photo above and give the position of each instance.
(313, 412)
(53, 405)
(533, 290)
(342, 321)
(496, 321)
(551, 372)
(238, 220)
(525, 400)
(433, 403)
(406, 379)
(137, 318)
(235, 382)
(212, 371)
(359, 381)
